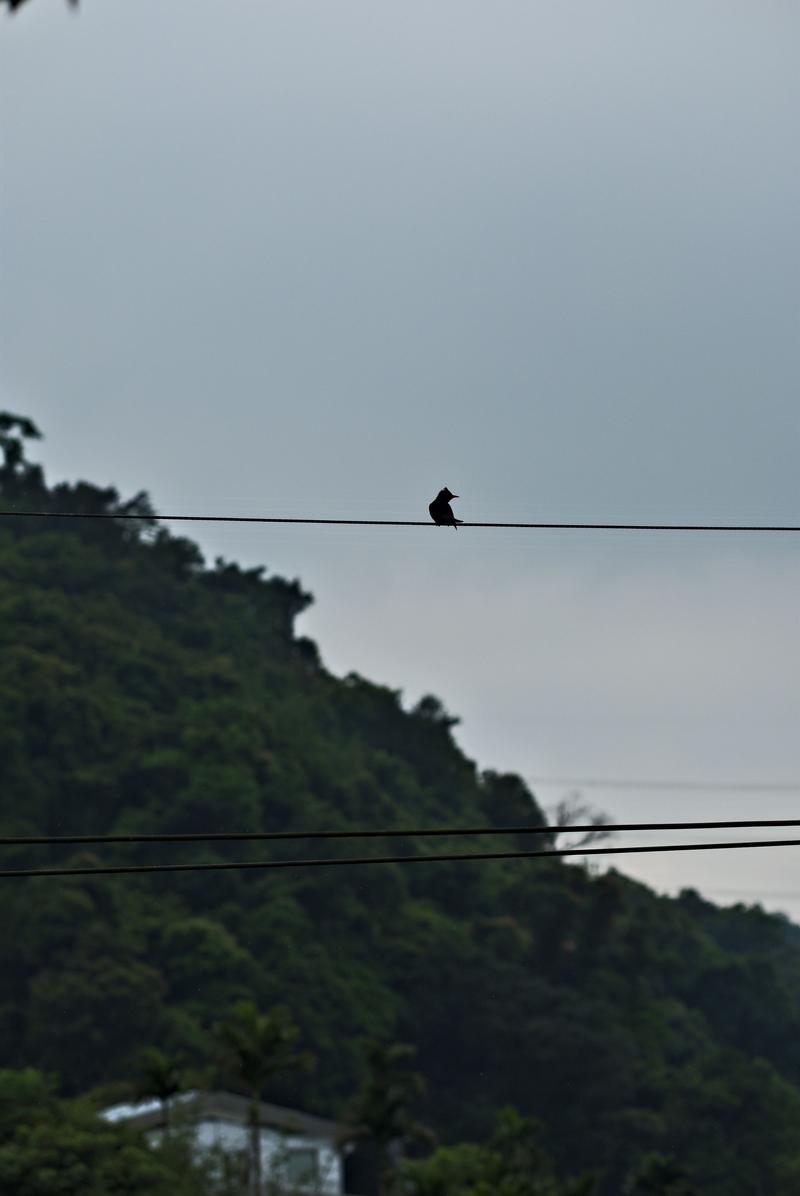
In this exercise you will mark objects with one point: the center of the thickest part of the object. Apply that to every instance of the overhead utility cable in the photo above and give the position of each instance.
(265, 865)
(693, 786)
(424, 833)
(618, 527)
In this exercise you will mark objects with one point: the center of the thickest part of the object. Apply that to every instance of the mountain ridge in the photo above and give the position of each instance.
(143, 692)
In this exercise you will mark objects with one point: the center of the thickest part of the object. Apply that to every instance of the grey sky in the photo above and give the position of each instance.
(315, 258)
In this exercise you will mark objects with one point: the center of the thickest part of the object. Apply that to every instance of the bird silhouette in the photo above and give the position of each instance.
(441, 511)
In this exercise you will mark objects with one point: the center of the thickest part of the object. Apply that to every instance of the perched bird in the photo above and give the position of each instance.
(441, 511)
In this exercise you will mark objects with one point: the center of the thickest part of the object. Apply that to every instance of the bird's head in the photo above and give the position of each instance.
(447, 494)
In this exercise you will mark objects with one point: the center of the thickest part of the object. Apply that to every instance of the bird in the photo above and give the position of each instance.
(441, 511)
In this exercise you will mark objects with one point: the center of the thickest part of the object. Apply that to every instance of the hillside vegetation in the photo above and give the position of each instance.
(144, 692)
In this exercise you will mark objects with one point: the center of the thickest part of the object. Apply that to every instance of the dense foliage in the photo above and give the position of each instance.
(50, 1147)
(144, 692)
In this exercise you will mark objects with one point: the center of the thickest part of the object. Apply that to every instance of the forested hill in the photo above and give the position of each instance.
(142, 691)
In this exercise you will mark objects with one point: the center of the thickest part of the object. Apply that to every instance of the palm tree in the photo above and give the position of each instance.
(254, 1047)
(162, 1077)
(381, 1108)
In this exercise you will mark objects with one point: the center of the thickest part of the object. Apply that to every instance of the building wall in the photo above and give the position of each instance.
(217, 1132)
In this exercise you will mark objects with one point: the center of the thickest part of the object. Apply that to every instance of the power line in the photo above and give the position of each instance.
(698, 786)
(758, 894)
(427, 832)
(617, 527)
(241, 865)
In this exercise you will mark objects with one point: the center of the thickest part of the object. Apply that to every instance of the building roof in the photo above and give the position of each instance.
(228, 1106)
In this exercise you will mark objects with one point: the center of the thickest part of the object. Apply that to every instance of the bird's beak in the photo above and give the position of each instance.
(454, 495)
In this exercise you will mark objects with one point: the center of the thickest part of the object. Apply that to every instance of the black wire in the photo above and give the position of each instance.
(691, 786)
(760, 894)
(258, 836)
(114, 870)
(620, 527)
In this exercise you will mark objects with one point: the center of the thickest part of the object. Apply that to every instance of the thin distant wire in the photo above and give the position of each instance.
(393, 833)
(265, 865)
(758, 894)
(620, 527)
(699, 786)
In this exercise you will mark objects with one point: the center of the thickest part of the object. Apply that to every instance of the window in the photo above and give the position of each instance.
(302, 1166)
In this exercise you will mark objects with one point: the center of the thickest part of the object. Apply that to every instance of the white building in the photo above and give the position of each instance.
(299, 1152)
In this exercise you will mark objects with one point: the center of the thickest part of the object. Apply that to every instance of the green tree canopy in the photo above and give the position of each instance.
(512, 1162)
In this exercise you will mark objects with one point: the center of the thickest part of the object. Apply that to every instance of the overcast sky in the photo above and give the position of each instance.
(314, 258)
